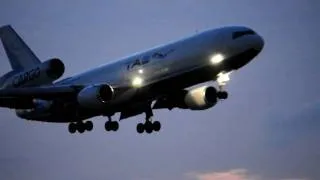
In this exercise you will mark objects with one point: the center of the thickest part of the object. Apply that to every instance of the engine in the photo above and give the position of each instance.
(201, 98)
(38, 109)
(54, 68)
(95, 96)
(44, 73)
(42, 105)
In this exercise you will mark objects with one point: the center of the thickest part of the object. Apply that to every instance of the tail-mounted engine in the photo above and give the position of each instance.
(54, 68)
(44, 73)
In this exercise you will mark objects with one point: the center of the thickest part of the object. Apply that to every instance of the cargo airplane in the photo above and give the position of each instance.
(162, 77)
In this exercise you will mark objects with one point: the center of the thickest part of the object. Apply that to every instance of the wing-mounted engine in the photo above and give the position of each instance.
(95, 96)
(42, 105)
(44, 73)
(200, 98)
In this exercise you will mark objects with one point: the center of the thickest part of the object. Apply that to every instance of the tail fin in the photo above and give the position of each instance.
(19, 54)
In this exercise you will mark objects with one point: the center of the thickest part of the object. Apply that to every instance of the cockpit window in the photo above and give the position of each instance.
(238, 34)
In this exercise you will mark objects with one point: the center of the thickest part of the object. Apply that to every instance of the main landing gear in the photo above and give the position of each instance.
(80, 126)
(111, 125)
(149, 126)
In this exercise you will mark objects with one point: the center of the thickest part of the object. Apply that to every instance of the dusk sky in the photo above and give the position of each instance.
(268, 129)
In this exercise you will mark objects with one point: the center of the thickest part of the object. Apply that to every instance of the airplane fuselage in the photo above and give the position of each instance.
(146, 76)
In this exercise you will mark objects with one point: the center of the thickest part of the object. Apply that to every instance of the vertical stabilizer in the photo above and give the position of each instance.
(19, 54)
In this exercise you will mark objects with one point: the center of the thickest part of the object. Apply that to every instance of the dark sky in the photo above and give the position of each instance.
(269, 128)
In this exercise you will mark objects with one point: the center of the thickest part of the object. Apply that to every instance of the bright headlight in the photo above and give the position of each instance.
(223, 78)
(137, 81)
(217, 58)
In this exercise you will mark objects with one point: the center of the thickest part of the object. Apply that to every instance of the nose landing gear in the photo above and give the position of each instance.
(148, 126)
(222, 95)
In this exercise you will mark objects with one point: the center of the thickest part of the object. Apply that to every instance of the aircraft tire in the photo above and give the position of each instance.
(107, 126)
(114, 125)
(81, 127)
(72, 128)
(140, 128)
(222, 95)
(148, 127)
(88, 125)
(156, 125)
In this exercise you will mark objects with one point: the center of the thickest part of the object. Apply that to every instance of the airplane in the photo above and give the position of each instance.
(162, 77)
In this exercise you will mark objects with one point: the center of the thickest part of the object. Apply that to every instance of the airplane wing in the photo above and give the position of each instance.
(22, 98)
(16, 103)
(45, 92)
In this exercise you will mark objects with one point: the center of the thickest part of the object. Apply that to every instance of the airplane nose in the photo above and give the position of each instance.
(259, 43)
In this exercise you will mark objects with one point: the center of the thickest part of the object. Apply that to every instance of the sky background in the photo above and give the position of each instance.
(268, 129)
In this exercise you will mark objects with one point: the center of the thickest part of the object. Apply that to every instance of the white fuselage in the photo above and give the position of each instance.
(169, 63)
(169, 60)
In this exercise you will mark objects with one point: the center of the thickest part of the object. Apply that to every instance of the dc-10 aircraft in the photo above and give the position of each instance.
(160, 78)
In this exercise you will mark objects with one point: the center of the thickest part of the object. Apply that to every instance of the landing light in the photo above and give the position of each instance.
(140, 71)
(217, 58)
(137, 81)
(223, 78)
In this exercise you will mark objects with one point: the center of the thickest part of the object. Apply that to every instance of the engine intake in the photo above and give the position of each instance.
(95, 96)
(55, 68)
(201, 98)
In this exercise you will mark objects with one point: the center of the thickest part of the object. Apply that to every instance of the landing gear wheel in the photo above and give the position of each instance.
(111, 126)
(156, 126)
(114, 125)
(81, 127)
(140, 128)
(148, 127)
(88, 125)
(107, 126)
(222, 95)
(72, 128)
